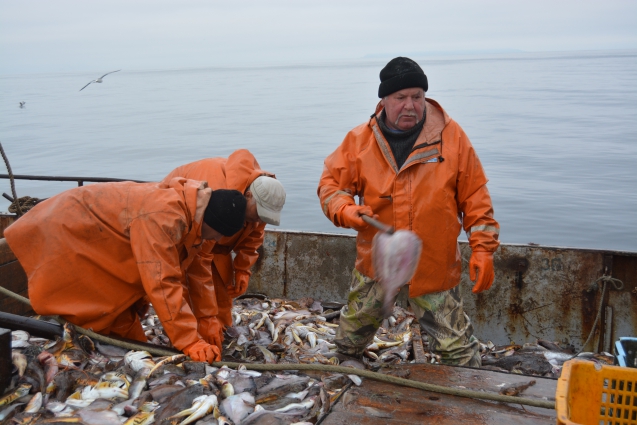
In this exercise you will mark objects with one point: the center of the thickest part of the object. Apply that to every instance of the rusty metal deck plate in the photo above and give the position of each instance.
(377, 402)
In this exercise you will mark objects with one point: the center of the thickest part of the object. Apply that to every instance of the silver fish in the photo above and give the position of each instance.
(103, 390)
(7, 411)
(19, 361)
(117, 377)
(20, 336)
(227, 389)
(20, 343)
(56, 407)
(298, 396)
(101, 417)
(271, 328)
(139, 383)
(558, 356)
(205, 407)
(307, 404)
(311, 338)
(168, 360)
(138, 360)
(357, 380)
(21, 391)
(35, 403)
(145, 415)
(238, 406)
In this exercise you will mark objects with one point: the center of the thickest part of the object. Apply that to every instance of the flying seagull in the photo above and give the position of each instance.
(99, 80)
(22, 104)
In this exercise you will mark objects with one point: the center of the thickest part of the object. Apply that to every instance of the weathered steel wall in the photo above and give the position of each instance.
(13, 278)
(5, 220)
(551, 293)
(298, 264)
(539, 292)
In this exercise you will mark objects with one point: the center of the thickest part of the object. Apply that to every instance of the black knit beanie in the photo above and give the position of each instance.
(401, 73)
(226, 211)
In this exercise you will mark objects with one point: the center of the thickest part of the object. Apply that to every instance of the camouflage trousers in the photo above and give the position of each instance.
(440, 314)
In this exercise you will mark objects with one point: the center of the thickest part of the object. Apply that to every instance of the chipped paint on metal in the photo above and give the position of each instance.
(539, 292)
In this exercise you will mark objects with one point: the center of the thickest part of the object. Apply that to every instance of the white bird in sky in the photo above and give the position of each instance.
(99, 80)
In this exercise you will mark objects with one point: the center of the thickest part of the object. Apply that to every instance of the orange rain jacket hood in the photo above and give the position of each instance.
(440, 185)
(237, 172)
(91, 252)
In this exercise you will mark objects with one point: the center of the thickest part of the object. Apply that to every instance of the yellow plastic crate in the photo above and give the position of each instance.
(591, 394)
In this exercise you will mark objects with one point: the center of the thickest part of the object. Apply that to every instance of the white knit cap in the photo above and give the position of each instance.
(270, 197)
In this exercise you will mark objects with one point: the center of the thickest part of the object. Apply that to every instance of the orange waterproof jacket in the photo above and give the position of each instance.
(236, 172)
(440, 185)
(91, 252)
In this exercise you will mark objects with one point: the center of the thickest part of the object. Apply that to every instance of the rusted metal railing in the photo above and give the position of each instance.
(80, 180)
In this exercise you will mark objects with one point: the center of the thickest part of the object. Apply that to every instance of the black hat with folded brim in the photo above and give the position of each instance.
(401, 73)
(226, 211)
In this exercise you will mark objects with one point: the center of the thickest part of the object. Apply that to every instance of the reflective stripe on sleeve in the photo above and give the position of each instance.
(329, 198)
(483, 228)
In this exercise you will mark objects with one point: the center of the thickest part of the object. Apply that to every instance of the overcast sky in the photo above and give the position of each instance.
(77, 36)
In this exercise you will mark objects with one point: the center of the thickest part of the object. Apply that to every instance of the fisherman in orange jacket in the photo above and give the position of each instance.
(265, 196)
(96, 255)
(414, 168)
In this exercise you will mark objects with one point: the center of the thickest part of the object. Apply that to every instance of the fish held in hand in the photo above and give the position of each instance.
(395, 257)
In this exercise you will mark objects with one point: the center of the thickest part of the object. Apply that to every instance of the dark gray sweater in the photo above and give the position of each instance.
(400, 142)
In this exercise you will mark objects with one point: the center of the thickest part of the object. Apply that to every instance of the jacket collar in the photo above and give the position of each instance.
(429, 142)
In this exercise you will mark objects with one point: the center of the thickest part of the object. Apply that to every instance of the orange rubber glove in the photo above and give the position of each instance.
(240, 287)
(201, 351)
(482, 263)
(211, 330)
(350, 216)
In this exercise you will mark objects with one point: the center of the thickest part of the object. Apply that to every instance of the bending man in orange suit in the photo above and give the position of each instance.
(96, 255)
(265, 196)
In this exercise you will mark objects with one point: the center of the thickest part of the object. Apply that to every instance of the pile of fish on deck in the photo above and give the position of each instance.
(75, 379)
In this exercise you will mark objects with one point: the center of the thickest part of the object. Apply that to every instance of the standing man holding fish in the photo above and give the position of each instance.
(413, 167)
(212, 301)
(96, 255)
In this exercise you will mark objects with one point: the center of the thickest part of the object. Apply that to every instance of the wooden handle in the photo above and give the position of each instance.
(377, 224)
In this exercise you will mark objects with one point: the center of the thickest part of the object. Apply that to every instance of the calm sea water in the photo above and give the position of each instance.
(556, 132)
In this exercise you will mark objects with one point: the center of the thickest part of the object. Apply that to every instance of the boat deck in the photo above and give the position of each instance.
(377, 402)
